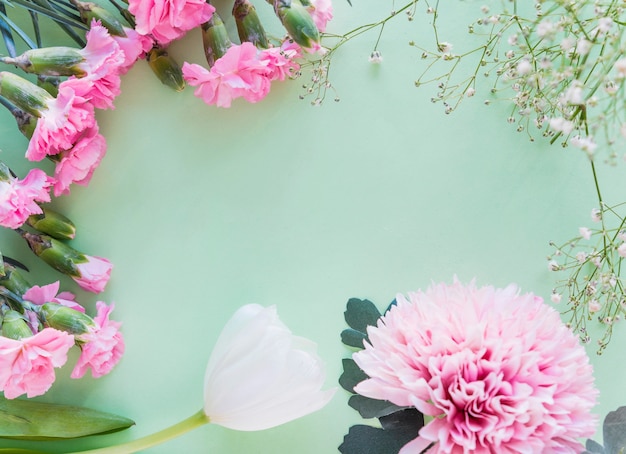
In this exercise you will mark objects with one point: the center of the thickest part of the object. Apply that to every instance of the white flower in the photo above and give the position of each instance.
(574, 93)
(524, 67)
(621, 250)
(546, 29)
(620, 66)
(560, 124)
(260, 375)
(553, 265)
(471, 91)
(376, 57)
(594, 306)
(556, 297)
(581, 256)
(583, 46)
(584, 143)
(596, 215)
(444, 47)
(585, 232)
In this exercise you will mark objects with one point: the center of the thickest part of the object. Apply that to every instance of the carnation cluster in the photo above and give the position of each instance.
(593, 290)
(496, 370)
(39, 326)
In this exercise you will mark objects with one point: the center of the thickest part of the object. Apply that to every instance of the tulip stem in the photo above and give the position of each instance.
(154, 439)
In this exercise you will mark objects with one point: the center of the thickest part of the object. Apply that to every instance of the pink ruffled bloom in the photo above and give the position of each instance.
(238, 73)
(101, 347)
(60, 124)
(280, 61)
(103, 59)
(94, 273)
(18, 197)
(134, 46)
(27, 365)
(497, 371)
(167, 20)
(321, 12)
(48, 294)
(78, 164)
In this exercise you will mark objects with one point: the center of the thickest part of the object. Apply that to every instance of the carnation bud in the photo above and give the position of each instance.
(52, 223)
(49, 61)
(13, 280)
(66, 319)
(58, 255)
(90, 11)
(215, 39)
(14, 326)
(23, 94)
(298, 22)
(249, 25)
(166, 69)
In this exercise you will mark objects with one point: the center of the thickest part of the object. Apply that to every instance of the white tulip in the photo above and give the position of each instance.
(260, 375)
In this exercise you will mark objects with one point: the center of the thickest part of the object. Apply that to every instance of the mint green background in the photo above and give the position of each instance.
(203, 210)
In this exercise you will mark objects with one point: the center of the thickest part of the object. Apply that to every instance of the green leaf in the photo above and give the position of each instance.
(30, 420)
(29, 42)
(360, 314)
(7, 36)
(351, 376)
(593, 448)
(353, 338)
(372, 408)
(398, 429)
(614, 431)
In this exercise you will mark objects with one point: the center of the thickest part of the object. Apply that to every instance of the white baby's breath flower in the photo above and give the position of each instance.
(444, 47)
(375, 57)
(555, 297)
(596, 215)
(560, 124)
(621, 250)
(585, 232)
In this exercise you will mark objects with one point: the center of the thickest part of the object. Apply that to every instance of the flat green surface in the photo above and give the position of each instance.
(203, 210)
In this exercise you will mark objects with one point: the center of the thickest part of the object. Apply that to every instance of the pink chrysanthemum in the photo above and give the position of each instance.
(498, 371)
(101, 347)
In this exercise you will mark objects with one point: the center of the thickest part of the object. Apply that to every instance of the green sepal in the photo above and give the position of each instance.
(58, 255)
(13, 280)
(66, 319)
(23, 93)
(249, 27)
(52, 223)
(215, 39)
(352, 375)
(49, 61)
(89, 11)
(31, 420)
(353, 338)
(14, 326)
(166, 69)
(298, 23)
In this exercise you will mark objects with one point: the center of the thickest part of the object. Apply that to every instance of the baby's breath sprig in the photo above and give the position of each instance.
(562, 67)
(595, 287)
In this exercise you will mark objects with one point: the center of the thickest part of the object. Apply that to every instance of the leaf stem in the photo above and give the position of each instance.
(194, 421)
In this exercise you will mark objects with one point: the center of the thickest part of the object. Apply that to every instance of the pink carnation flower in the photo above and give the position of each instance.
(322, 12)
(167, 20)
(60, 124)
(101, 347)
(134, 46)
(279, 61)
(497, 371)
(94, 273)
(27, 365)
(18, 197)
(48, 294)
(103, 59)
(78, 164)
(238, 73)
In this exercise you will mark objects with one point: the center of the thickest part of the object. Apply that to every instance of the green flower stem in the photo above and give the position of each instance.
(154, 439)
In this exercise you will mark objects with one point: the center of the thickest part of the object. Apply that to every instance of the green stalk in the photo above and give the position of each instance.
(194, 421)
